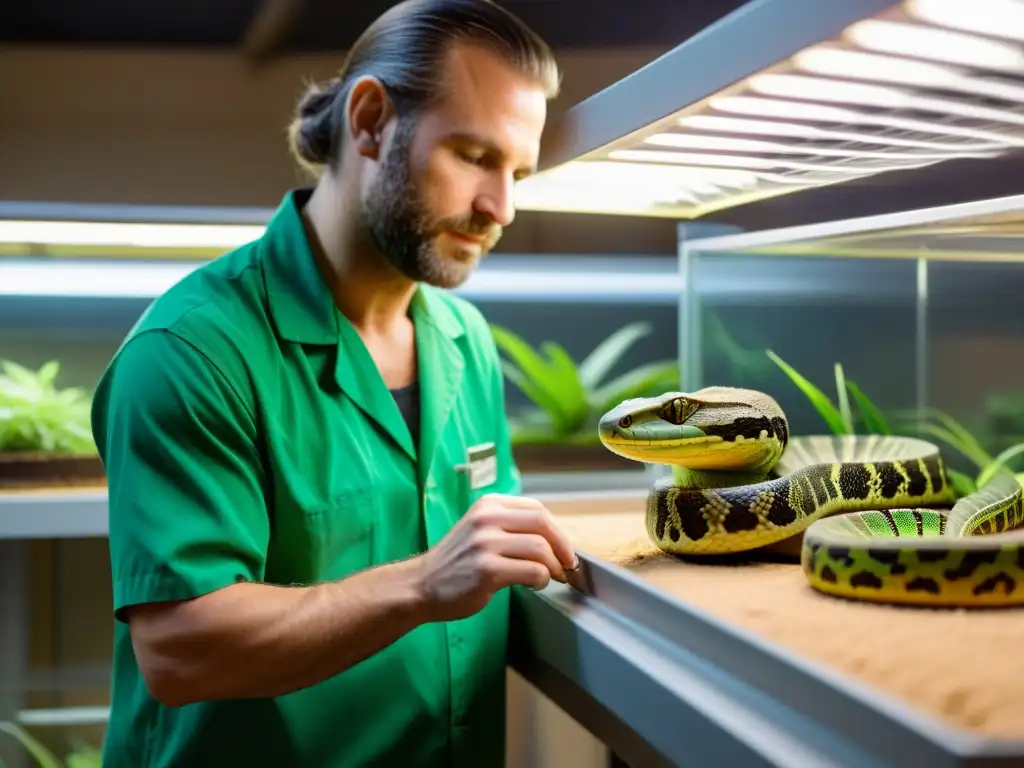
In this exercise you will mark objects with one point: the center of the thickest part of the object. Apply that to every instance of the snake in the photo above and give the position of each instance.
(879, 518)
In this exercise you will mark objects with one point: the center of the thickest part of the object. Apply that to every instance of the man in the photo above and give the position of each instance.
(314, 511)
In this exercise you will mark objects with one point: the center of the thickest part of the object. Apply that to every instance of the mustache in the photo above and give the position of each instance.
(474, 225)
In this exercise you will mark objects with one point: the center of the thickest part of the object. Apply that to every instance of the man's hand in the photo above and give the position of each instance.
(500, 541)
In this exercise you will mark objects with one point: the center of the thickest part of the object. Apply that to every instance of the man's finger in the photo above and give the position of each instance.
(534, 547)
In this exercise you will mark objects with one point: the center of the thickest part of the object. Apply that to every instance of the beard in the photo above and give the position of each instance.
(398, 222)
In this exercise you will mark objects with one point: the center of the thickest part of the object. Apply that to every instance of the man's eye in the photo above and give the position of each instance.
(473, 159)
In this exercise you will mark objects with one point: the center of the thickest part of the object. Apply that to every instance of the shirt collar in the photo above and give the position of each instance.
(301, 304)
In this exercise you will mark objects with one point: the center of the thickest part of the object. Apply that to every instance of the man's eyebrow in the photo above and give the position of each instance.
(468, 137)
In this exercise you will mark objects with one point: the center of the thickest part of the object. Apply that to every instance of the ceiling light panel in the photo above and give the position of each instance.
(920, 83)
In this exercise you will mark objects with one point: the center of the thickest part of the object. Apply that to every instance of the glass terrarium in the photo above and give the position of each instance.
(904, 323)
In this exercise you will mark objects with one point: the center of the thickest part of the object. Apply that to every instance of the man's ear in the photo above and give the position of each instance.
(369, 110)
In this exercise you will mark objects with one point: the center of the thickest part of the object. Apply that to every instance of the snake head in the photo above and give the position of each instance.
(648, 422)
(713, 428)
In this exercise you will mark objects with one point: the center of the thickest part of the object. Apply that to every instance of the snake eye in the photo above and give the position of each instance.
(675, 411)
(625, 421)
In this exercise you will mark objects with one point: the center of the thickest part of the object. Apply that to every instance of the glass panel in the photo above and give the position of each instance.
(812, 313)
(976, 348)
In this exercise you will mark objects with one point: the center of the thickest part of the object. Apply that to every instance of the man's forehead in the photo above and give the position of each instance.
(471, 69)
(488, 94)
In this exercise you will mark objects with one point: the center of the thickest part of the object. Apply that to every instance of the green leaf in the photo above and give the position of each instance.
(539, 395)
(844, 401)
(47, 374)
(36, 415)
(22, 377)
(829, 413)
(999, 463)
(962, 484)
(968, 441)
(605, 355)
(875, 422)
(541, 381)
(42, 755)
(572, 396)
(941, 433)
(643, 381)
(748, 363)
(953, 433)
(84, 756)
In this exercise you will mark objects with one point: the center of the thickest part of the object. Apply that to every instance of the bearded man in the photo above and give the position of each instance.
(315, 515)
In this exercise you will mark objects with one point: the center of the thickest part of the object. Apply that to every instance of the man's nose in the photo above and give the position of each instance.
(497, 200)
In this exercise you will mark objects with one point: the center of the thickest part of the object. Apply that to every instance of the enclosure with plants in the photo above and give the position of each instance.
(45, 433)
(79, 756)
(852, 412)
(558, 430)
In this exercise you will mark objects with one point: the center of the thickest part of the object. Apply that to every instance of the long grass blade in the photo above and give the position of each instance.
(565, 375)
(605, 355)
(874, 420)
(537, 379)
(962, 484)
(999, 463)
(829, 413)
(938, 432)
(644, 381)
(843, 399)
(540, 396)
(42, 755)
(955, 434)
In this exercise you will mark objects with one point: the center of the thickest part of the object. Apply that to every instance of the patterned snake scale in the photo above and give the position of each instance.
(879, 519)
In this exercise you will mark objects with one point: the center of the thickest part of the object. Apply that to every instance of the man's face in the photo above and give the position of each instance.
(443, 190)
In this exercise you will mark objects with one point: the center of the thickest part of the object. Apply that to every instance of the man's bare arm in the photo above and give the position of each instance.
(254, 640)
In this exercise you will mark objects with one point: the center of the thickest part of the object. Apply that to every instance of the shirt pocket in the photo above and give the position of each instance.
(341, 533)
(478, 471)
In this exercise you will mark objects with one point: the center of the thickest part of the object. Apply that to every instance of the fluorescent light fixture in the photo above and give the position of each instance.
(730, 144)
(751, 162)
(76, 278)
(997, 18)
(819, 113)
(904, 85)
(612, 187)
(944, 45)
(127, 234)
(862, 94)
(835, 62)
(737, 125)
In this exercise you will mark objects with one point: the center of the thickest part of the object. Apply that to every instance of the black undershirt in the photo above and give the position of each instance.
(408, 399)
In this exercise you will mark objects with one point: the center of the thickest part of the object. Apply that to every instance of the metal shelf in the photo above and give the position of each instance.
(659, 682)
(62, 717)
(662, 683)
(83, 514)
(53, 514)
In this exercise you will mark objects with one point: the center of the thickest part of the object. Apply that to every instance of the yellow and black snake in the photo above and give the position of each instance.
(874, 510)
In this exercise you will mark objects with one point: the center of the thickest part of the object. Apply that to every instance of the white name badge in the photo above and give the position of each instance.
(481, 465)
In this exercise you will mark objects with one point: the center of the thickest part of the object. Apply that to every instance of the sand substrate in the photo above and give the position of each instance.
(964, 666)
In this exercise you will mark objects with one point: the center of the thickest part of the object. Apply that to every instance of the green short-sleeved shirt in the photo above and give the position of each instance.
(248, 436)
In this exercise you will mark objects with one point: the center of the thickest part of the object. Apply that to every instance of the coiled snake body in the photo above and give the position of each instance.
(874, 510)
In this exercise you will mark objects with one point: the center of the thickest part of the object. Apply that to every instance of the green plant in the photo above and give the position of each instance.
(36, 415)
(82, 756)
(943, 427)
(744, 363)
(930, 422)
(569, 397)
(839, 418)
